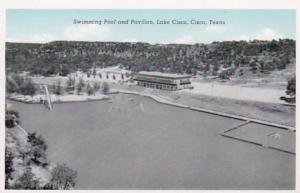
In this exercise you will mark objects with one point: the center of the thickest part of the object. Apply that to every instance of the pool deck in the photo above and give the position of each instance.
(276, 145)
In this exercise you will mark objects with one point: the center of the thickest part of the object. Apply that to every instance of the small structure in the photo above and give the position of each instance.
(112, 74)
(47, 97)
(163, 81)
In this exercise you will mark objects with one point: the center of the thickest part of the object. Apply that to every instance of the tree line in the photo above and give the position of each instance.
(16, 83)
(61, 57)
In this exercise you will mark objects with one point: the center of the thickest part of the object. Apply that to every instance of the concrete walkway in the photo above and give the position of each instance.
(238, 92)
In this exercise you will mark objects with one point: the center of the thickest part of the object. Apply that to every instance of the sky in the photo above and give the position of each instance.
(40, 26)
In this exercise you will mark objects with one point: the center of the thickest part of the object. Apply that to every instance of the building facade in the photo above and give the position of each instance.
(163, 81)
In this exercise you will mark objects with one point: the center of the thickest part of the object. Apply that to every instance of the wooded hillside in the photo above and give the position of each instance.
(208, 59)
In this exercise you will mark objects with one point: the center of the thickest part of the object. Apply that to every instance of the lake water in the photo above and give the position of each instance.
(133, 142)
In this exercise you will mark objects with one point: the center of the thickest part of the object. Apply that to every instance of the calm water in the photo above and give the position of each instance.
(135, 143)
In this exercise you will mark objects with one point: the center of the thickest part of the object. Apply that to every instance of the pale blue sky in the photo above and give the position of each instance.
(48, 25)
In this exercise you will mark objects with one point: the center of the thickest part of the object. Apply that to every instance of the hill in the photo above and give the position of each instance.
(224, 59)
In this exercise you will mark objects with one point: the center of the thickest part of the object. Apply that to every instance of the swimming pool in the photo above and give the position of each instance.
(132, 142)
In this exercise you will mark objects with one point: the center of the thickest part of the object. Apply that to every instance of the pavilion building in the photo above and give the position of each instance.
(163, 81)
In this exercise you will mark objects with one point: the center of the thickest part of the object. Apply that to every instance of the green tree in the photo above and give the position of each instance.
(253, 66)
(11, 118)
(27, 181)
(38, 148)
(64, 70)
(80, 86)
(89, 89)
(63, 177)
(57, 88)
(127, 75)
(291, 87)
(11, 85)
(262, 66)
(70, 84)
(36, 140)
(48, 186)
(88, 74)
(215, 69)
(105, 88)
(18, 79)
(96, 86)
(38, 156)
(28, 88)
(94, 72)
(8, 167)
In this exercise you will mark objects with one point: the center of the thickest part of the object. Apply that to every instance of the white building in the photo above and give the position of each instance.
(163, 81)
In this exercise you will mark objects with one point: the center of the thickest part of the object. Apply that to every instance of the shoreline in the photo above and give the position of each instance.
(57, 100)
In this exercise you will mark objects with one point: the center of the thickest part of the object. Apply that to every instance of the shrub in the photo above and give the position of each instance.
(8, 166)
(80, 85)
(96, 86)
(28, 88)
(57, 89)
(291, 87)
(105, 88)
(70, 84)
(11, 118)
(27, 181)
(89, 89)
(38, 149)
(63, 177)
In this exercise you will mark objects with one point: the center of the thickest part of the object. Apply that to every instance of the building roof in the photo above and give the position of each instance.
(113, 69)
(163, 75)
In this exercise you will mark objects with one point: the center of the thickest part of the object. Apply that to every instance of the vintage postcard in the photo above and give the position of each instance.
(149, 99)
